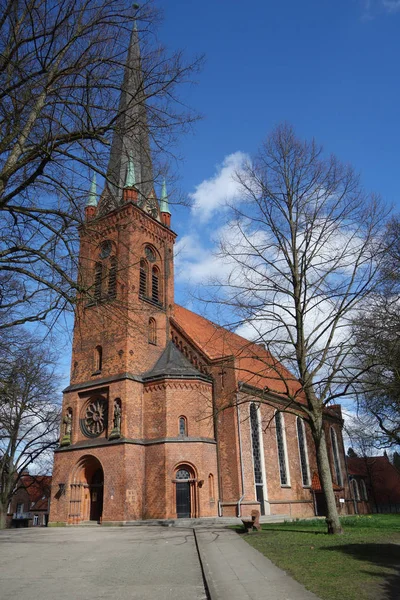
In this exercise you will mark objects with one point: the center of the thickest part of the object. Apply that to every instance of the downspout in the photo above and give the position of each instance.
(240, 456)
(215, 424)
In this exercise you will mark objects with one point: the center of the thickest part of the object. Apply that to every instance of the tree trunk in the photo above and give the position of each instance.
(3, 516)
(332, 518)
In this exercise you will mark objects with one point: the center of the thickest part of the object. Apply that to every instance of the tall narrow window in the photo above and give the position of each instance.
(98, 358)
(356, 491)
(301, 436)
(211, 487)
(280, 439)
(155, 284)
(255, 441)
(152, 331)
(112, 278)
(363, 487)
(143, 278)
(97, 280)
(182, 426)
(336, 460)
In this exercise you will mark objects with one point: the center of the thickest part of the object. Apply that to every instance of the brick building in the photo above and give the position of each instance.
(30, 503)
(142, 434)
(374, 484)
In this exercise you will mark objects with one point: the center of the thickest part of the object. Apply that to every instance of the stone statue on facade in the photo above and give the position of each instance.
(116, 432)
(67, 425)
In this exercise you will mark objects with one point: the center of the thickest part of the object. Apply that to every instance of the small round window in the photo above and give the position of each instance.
(150, 254)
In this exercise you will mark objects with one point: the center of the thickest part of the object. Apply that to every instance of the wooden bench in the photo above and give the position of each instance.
(252, 522)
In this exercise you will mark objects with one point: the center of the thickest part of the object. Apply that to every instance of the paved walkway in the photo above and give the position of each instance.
(236, 571)
(138, 563)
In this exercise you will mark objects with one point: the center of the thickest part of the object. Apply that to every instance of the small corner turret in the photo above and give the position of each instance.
(91, 204)
(164, 207)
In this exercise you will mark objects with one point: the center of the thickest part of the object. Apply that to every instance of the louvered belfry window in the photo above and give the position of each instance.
(143, 278)
(112, 279)
(97, 280)
(155, 285)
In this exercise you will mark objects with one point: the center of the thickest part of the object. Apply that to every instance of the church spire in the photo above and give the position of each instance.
(131, 143)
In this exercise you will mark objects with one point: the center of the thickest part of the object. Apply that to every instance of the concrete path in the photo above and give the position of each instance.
(236, 571)
(139, 563)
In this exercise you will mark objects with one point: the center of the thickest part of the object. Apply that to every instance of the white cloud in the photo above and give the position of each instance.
(391, 5)
(212, 195)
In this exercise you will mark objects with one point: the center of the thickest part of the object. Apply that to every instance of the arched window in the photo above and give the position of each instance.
(144, 270)
(182, 426)
(336, 460)
(363, 487)
(112, 279)
(211, 487)
(301, 436)
(98, 358)
(152, 331)
(155, 284)
(356, 491)
(255, 442)
(182, 474)
(98, 275)
(281, 442)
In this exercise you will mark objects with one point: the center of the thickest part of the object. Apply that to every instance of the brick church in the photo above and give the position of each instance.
(143, 433)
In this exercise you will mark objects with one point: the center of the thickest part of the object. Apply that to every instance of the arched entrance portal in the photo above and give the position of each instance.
(186, 492)
(86, 491)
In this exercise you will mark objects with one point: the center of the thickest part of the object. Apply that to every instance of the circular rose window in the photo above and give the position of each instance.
(95, 418)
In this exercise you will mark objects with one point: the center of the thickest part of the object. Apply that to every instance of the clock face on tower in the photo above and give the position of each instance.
(151, 207)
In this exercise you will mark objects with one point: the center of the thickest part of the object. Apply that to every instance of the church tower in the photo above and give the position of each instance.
(122, 430)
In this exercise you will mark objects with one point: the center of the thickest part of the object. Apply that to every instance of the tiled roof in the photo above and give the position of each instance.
(316, 484)
(38, 488)
(173, 364)
(254, 365)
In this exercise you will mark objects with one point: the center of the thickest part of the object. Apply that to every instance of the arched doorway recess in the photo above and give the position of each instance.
(186, 492)
(87, 491)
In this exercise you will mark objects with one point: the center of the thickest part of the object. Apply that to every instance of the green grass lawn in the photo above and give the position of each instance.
(361, 564)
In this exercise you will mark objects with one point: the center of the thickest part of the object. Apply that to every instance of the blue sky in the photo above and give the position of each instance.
(331, 69)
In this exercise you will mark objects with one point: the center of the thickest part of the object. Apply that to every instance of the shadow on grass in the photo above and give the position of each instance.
(382, 555)
(242, 530)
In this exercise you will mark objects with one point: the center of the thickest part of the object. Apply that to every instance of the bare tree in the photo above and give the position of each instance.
(29, 412)
(377, 331)
(61, 69)
(302, 252)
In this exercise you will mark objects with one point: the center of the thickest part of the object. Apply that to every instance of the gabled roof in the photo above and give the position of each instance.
(254, 365)
(172, 364)
(38, 488)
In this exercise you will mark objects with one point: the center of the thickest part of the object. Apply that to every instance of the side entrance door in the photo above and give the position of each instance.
(183, 499)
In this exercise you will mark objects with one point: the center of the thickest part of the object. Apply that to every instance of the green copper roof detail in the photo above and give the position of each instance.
(92, 197)
(130, 180)
(164, 208)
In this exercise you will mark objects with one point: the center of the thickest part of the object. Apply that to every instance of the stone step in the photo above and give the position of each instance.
(187, 523)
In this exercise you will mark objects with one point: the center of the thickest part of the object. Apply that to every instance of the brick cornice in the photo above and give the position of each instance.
(83, 445)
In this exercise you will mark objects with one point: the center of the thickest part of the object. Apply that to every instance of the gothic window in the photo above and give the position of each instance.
(98, 359)
(105, 273)
(256, 445)
(143, 278)
(182, 426)
(152, 331)
(364, 493)
(301, 436)
(336, 460)
(182, 474)
(112, 279)
(155, 284)
(356, 491)
(280, 439)
(98, 272)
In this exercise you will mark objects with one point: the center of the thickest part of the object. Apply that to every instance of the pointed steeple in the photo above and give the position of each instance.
(164, 207)
(92, 196)
(131, 141)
